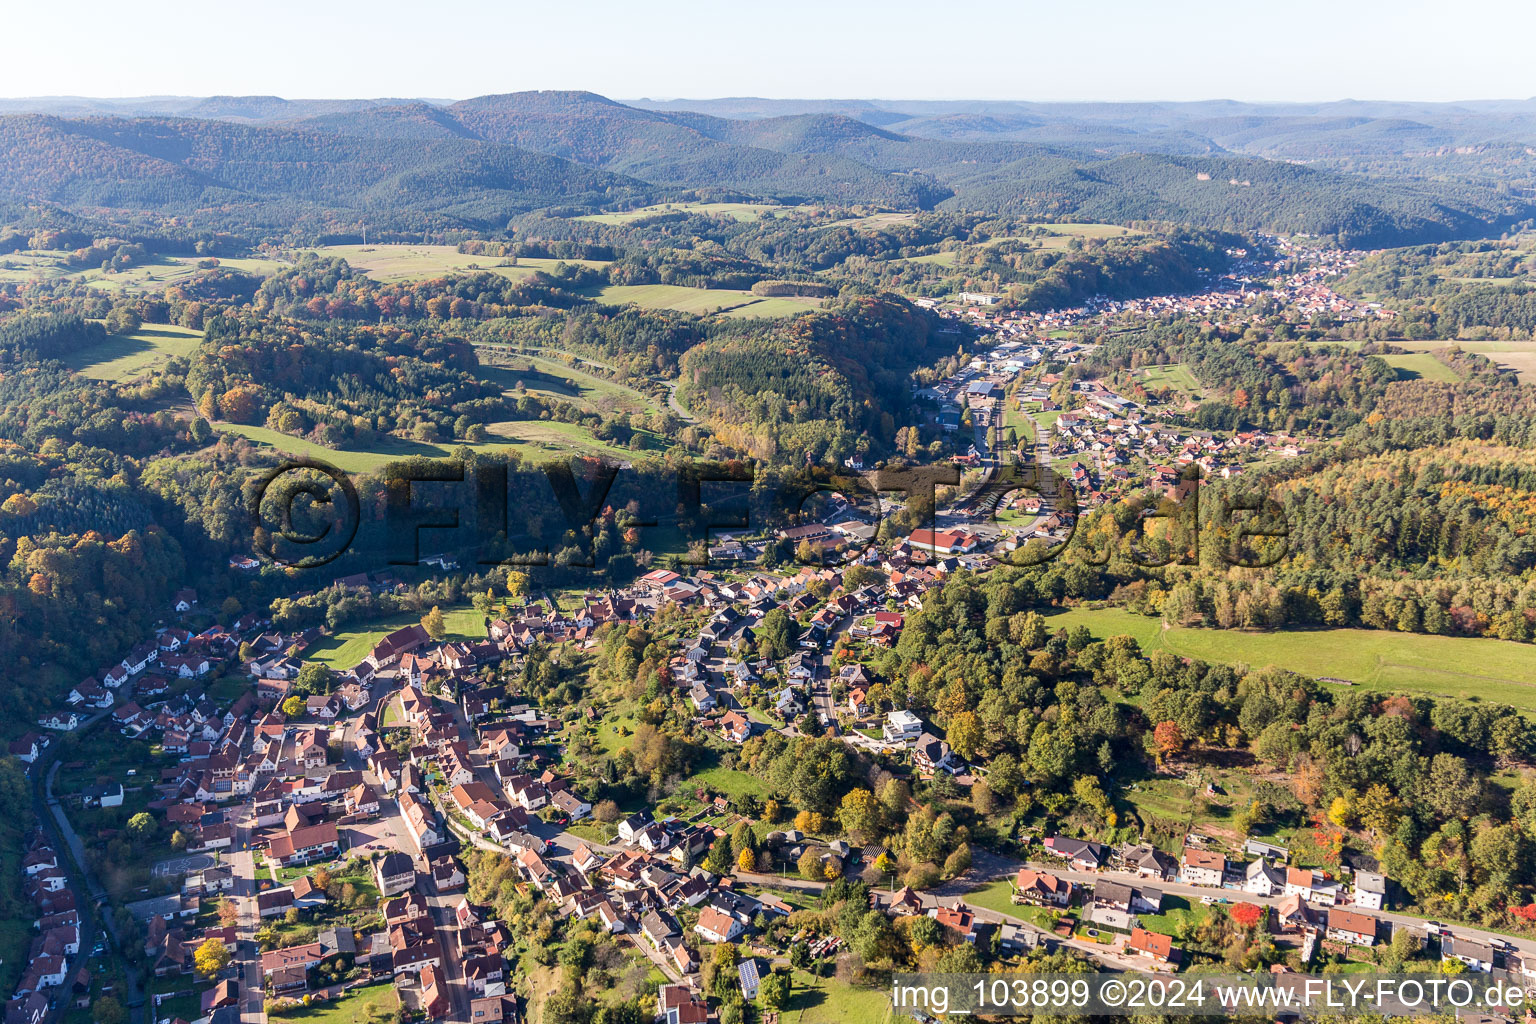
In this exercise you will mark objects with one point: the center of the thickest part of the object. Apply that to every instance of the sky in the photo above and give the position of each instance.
(1301, 50)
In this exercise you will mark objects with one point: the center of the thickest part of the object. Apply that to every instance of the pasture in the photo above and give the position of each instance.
(1420, 366)
(126, 357)
(747, 212)
(572, 383)
(151, 277)
(1519, 356)
(532, 439)
(702, 300)
(1466, 667)
(345, 648)
(422, 262)
(1176, 376)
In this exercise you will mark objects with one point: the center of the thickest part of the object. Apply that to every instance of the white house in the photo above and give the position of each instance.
(901, 726)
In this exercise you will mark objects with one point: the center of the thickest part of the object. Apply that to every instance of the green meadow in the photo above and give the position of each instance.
(125, 357)
(1495, 670)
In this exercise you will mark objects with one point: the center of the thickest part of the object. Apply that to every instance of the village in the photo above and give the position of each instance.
(321, 837)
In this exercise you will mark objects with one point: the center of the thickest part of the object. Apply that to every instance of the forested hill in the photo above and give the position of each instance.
(410, 166)
(272, 174)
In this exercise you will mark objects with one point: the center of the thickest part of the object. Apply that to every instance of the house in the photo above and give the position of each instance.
(27, 748)
(735, 727)
(1370, 890)
(1041, 889)
(305, 845)
(274, 902)
(1262, 879)
(1148, 861)
(1082, 854)
(301, 957)
(447, 874)
(1311, 886)
(1350, 927)
(1260, 848)
(1294, 914)
(575, 807)
(746, 973)
(1114, 895)
(932, 754)
(901, 726)
(716, 926)
(1476, 955)
(184, 600)
(306, 896)
(1201, 867)
(943, 542)
(492, 1010)
(679, 1004)
(1152, 944)
(107, 794)
(395, 873)
(632, 825)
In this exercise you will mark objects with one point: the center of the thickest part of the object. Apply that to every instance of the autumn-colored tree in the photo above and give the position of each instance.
(1168, 737)
(211, 957)
(1247, 915)
(747, 860)
(293, 707)
(810, 865)
(229, 913)
(433, 623)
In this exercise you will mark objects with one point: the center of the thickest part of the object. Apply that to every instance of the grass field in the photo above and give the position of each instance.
(421, 262)
(1496, 670)
(736, 211)
(1178, 917)
(347, 647)
(1420, 366)
(1175, 376)
(151, 277)
(583, 388)
(529, 438)
(361, 1005)
(124, 357)
(815, 1000)
(1513, 355)
(702, 300)
(874, 220)
(937, 259)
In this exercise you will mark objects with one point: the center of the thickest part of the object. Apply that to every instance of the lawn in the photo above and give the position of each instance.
(746, 212)
(1176, 376)
(124, 357)
(569, 383)
(1513, 355)
(998, 897)
(1420, 366)
(1497, 670)
(423, 262)
(815, 1000)
(529, 438)
(728, 781)
(701, 300)
(152, 276)
(1178, 918)
(346, 648)
(366, 1003)
(937, 259)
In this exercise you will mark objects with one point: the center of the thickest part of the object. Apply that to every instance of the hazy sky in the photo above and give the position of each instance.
(895, 49)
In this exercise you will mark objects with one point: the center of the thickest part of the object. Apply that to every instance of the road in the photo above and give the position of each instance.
(1197, 892)
(674, 404)
(87, 889)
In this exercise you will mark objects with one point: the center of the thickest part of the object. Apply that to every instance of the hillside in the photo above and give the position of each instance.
(176, 165)
(1379, 174)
